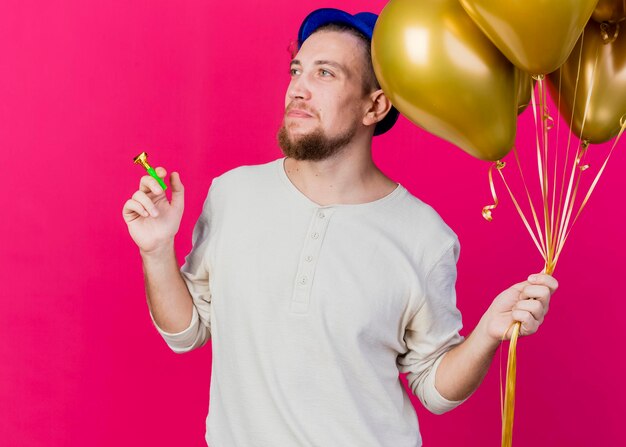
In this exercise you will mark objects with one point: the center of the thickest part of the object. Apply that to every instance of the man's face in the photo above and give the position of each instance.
(325, 102)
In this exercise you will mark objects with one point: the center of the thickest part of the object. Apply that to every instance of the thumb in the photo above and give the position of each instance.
(178, 191)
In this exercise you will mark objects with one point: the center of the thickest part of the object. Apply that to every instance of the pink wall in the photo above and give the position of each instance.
(85, 86)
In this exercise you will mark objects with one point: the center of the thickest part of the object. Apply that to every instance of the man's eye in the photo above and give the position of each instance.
(325, 73)
(293, 71)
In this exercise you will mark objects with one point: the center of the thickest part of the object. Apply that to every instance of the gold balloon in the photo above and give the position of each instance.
(536, 35)
(525, 85)
(607, 103)
(444, 75)
(611, 11)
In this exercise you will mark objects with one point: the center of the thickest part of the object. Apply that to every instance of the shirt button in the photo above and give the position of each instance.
(309, 258)
(315, 235)
(303, 280)
(321, 215)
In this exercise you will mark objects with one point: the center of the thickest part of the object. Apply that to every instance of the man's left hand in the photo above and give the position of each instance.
(526, 302)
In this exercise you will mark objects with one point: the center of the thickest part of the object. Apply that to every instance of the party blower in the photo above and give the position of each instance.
(142, 159)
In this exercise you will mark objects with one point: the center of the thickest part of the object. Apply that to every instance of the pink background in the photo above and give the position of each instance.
(85, 86)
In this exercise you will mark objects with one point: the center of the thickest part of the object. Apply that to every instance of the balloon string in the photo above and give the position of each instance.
(577, 170)
(542, 161)
(534, 108)
(487, 209)
(595, 181)
(530, 202)
(521, 214)
(588, 99)
(568, 197)
(577, 167)
(507, 410)
(582, 149)
(509, 396)
(569, 141)
(537, 134)
(554, 182)
(500, 371)
(545, 118)
(556, 152)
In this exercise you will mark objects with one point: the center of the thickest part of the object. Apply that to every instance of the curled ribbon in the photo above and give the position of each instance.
(605, 28)
(549, 121)
(487, 209)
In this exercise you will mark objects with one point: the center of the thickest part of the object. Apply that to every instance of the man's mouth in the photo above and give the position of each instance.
(298, 113)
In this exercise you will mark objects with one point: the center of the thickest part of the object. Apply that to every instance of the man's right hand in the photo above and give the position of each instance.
(153, 221)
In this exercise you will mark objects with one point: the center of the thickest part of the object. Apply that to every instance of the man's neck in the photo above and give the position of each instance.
(350, 177)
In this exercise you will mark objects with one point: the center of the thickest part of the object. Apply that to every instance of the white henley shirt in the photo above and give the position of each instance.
(313, 311)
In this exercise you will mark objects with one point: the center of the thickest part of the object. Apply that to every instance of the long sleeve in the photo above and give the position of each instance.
(432, 331)
(196, 276)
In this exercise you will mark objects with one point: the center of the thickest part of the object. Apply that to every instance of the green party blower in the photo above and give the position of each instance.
(142, 159)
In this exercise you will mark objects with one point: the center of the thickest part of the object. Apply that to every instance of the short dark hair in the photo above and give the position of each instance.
(370, 83)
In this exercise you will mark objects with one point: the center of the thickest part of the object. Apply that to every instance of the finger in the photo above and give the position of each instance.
(132, 209)
(161, 172)
(541, 293)
(545, 280)
(145, 201)
(529, 324)
(520, 286)
(178, 191)
(534, 307)
(148, 184)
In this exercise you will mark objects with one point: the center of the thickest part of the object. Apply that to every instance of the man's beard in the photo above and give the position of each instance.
(314, 146)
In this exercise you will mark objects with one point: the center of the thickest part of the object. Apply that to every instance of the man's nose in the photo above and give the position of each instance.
(298, 89)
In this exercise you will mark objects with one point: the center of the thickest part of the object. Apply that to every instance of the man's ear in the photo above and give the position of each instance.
(378, 107)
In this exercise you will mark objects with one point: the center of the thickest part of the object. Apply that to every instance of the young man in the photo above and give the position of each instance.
(317, 277)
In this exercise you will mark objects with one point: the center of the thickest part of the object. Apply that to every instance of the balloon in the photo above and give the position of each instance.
(611, 11)
(536, 35)
(444, 75)
(608, 85)
(525, 85)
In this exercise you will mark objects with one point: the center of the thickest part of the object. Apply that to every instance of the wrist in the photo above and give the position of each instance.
(160, 251)
(483, 337)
